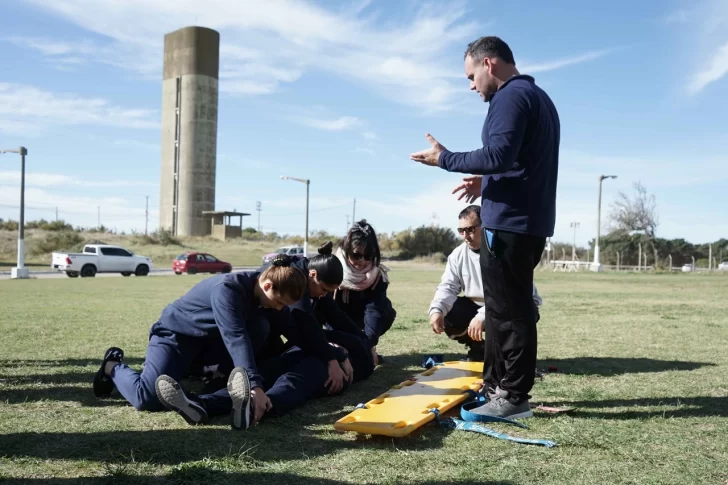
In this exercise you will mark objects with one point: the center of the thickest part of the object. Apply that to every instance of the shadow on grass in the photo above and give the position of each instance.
(392, 372)
(32, 363)
(205, 475)
(667, 407)
(612, 366)
(59, 389)
(304, 433)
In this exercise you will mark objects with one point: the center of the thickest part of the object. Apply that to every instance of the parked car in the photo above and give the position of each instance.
(296, 252)
(723, 266)
(101, 258)
(192, 263)
(687, 268)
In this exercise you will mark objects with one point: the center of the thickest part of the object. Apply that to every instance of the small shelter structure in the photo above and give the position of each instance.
(221, 224)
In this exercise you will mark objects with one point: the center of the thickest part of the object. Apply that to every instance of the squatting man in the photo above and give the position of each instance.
(462, 318)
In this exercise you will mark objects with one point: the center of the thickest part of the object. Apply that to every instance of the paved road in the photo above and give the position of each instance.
(43, 274)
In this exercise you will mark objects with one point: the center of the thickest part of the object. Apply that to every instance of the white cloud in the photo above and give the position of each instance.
(30, 107)
(565, 62)
(79, 210)
(267, 44)
(701, 32)
(715, 70)
(681, 16)
(42, 179)
(370, 135)
(341, 123)
(20, 128)
(56, 49)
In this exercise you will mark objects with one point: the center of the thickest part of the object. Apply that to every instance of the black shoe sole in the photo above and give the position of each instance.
(102, 384)
(173, 397)
(239, 389)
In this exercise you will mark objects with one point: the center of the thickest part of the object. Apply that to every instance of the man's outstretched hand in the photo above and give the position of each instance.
(430, 156)
(470, 188)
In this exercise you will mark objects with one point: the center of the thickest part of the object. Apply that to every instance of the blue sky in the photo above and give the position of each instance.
(342, 93)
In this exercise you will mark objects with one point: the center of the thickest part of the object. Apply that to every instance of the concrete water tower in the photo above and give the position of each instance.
(189, 130)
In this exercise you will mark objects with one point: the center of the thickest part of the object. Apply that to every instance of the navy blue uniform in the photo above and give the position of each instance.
(220, 316)
(519, 162)
(340, 329)
(370, 310)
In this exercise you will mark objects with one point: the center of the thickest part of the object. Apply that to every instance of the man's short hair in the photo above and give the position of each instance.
(471, 209)
(489, 46)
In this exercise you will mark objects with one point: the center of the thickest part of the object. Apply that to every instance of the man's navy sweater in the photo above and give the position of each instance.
(218, 307)
(519, 160)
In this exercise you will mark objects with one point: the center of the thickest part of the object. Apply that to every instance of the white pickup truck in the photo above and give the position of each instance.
(101, 258)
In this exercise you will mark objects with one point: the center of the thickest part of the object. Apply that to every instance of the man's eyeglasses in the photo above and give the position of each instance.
(360, 256)
(467, 230)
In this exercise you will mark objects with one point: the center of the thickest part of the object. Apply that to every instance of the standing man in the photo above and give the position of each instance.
(515, 174)
(462, 318)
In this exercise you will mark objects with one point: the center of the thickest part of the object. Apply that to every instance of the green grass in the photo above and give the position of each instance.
(643, 357)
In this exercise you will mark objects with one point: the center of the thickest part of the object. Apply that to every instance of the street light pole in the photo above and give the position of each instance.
(596, 265)
(573, 246)
(308, 184)
(20, 272)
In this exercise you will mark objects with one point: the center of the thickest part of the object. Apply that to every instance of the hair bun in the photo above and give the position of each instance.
(325, 249)
(282, 260)
(363, 227)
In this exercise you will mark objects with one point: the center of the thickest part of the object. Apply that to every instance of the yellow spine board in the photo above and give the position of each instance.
(406, 406)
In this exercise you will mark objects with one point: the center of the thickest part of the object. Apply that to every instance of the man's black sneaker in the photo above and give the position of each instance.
(103, 385)
(239, 389)
(174, 398)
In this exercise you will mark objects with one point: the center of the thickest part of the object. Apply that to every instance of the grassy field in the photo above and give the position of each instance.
(643, 357)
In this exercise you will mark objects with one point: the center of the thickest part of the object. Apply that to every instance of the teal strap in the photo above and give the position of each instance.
(479, 428)
(476, 427)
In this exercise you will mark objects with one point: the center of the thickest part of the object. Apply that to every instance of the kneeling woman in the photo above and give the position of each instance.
(325, 274)
(232, 315)
(362, 294)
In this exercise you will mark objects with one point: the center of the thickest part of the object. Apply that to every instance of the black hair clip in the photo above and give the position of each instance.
(363, 228)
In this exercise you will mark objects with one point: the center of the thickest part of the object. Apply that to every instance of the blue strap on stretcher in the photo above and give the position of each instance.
(472, 422)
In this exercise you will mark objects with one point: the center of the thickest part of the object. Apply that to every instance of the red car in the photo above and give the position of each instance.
(192, 263)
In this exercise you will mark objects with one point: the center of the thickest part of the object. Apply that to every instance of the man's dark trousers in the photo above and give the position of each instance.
(507, 263)
(457, 322)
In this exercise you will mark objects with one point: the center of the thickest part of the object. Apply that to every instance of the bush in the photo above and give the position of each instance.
(49, 225)
(9, 225)
(434, 258)
(57, 241)
(426, 240)
(161, 237)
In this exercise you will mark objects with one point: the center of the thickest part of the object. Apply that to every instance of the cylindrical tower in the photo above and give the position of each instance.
(189, 130)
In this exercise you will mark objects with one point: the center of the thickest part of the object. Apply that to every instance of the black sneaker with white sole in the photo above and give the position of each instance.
(173, 397)
(239, 389)
(103, 385)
